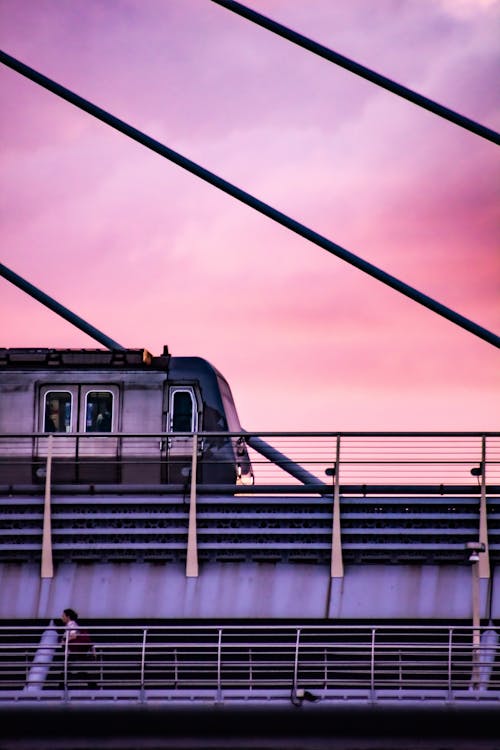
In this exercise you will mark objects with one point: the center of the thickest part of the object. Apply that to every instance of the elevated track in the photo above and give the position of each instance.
(389, 525)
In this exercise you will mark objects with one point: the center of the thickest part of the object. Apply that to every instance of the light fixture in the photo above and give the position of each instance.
(475, 548)
(477, 471)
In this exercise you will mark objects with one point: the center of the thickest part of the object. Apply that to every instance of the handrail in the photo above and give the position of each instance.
(364, 490)
(369, 458)
(239, 662)
(394, 475)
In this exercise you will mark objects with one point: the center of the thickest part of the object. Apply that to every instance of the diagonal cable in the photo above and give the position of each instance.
(56, 307)
(249, 200)
(361, 70)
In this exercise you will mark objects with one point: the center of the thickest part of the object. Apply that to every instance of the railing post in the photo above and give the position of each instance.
(143, 661)
(372, 666)
(219, 665)
(296, 694)
(476, 625)
(47, 567)
(450, 660)
(192, 545)
(337, 565)
(484, 557)
(65, 666)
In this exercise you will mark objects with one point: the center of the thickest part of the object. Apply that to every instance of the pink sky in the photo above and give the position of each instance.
(152, 255)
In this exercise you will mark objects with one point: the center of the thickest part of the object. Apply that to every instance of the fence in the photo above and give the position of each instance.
(318, 497)
(244, 663)
(358, 462)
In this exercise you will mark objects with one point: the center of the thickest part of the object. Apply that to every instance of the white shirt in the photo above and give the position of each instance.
(71, 629)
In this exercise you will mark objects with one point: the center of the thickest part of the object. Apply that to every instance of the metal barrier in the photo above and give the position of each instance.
(415, 497)
(244, 663)
(360, 462)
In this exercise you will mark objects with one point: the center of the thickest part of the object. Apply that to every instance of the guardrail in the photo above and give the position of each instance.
(244, 663)
(356, 460)
(414, 497)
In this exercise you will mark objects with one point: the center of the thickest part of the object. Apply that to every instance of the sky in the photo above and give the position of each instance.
(152, 255)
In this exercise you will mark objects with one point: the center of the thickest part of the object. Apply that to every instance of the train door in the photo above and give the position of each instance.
(77, 414)
(182, 417)
(57, 414)
(98, 451)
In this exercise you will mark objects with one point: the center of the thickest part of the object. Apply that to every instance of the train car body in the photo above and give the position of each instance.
(84, 396)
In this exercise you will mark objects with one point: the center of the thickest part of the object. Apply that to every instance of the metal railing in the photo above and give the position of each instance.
(241, 663)
(407, 496)
(358, 461)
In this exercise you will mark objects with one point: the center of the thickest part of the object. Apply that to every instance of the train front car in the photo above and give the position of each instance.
(200, 400)
(122, 417)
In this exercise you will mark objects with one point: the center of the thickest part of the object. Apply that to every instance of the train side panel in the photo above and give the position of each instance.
(84, 396)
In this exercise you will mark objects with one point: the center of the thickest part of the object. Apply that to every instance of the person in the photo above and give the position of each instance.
(71, 627)
(103, 421)
(50, 419)
(78, 647)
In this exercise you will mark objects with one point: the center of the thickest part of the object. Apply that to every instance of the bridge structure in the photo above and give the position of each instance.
(335, 525)
(337, 528)
(360, 571)
(356, 581)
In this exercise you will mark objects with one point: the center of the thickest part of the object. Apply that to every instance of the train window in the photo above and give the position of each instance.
(183, 413)
(57, 411)
(98, 411)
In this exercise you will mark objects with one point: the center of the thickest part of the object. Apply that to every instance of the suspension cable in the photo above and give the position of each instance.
(249, 200)
(360, 70)
(56, 307)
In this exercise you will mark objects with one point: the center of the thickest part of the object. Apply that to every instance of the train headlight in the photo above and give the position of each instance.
(246, 478)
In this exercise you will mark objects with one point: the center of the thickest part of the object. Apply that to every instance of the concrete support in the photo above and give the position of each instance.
(42, 659)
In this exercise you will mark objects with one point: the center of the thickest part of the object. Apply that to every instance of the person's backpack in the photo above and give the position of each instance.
(82, 643)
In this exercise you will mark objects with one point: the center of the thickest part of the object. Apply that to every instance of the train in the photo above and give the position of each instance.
(117, 416)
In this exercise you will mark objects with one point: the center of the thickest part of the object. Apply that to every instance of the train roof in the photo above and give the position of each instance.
(36, 358)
